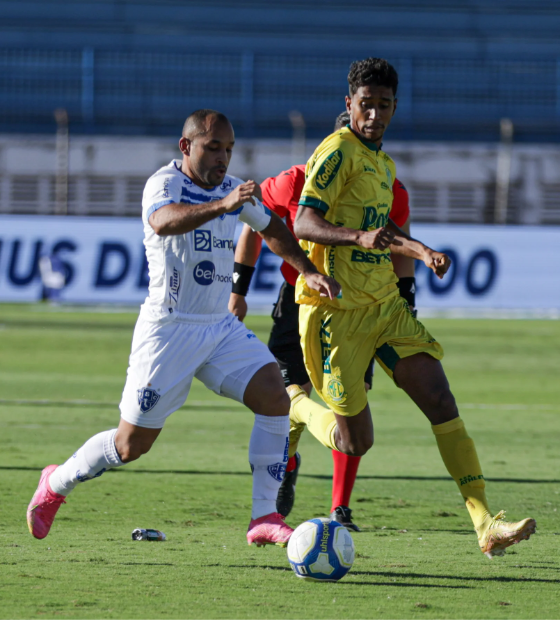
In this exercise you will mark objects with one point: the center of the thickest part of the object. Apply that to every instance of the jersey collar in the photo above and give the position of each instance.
(370, 145)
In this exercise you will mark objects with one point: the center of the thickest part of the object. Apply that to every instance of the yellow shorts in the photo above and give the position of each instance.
(339, 344)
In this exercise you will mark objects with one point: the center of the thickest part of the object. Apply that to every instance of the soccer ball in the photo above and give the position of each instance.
(321, 550)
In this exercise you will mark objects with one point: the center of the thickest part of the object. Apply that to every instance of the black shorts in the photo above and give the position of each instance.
(284, 341)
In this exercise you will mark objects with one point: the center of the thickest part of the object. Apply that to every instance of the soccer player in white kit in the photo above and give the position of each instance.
(190, 210)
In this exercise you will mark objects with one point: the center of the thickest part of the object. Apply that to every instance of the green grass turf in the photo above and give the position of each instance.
(417, 556)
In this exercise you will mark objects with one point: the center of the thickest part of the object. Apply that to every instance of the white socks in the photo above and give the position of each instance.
(268, 455)
(97, 455)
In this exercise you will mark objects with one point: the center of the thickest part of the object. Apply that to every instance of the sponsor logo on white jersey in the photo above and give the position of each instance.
(204, 241)
(174, 285)
(205, 273)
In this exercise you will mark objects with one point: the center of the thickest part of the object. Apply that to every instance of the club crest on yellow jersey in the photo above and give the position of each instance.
(328, 169)
(335, 389)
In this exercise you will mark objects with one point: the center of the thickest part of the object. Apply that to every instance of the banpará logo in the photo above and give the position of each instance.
(328, 169)
(204, 241)
(205, 273)
(222, 244)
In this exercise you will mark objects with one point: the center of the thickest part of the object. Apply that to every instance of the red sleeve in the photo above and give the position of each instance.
(400, 211)
(277, 192)
(298, 172)
(281, 195)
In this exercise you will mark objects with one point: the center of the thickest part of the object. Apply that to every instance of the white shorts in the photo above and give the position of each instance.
(166, 356)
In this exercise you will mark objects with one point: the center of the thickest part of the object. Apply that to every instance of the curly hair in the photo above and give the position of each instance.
(342, 120)
(372, 71)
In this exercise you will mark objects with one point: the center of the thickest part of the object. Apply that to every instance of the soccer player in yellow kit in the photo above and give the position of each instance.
(343, 226)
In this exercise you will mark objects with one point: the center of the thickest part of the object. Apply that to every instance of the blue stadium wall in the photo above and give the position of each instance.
(138, 67)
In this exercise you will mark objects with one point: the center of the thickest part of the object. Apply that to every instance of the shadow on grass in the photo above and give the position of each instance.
(363, 583)
(531, 567)
(500, 579)
(145, 564)
(406, 575)
(403, 585)
(195, 472)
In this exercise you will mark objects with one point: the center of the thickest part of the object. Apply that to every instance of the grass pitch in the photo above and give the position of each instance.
(61, 376)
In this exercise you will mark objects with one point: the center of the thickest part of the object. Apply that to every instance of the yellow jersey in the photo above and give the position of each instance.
(350, 180)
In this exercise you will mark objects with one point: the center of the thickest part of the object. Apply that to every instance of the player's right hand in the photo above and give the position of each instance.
(240, 195)
(237, 306)
(378, 239)
(327, 286)
(438, 262)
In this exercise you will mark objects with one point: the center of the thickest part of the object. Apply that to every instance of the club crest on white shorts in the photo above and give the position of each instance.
(147, 399)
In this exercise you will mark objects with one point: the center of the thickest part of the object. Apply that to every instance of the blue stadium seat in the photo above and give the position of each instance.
(139, 67)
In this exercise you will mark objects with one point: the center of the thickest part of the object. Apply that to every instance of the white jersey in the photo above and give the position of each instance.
(191, 274)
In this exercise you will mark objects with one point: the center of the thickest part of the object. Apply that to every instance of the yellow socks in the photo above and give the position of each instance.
(320, 422)
(459, 455)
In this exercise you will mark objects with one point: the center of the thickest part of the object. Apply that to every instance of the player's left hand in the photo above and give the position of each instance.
(327, 286)
(438, 262)
(237, 306)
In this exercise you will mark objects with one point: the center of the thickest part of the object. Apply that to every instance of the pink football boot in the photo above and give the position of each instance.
(269, 530)
(43, 506)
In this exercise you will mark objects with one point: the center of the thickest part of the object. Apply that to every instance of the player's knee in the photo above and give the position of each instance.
(443, 406)
(446, 402)
(279, 402)
(358, 446)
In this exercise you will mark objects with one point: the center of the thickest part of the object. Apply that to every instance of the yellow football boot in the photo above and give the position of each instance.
(496, 535)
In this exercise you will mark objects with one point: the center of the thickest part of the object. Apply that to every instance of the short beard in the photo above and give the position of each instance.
(213, 181)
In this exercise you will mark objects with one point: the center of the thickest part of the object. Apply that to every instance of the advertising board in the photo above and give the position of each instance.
(493, 266)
